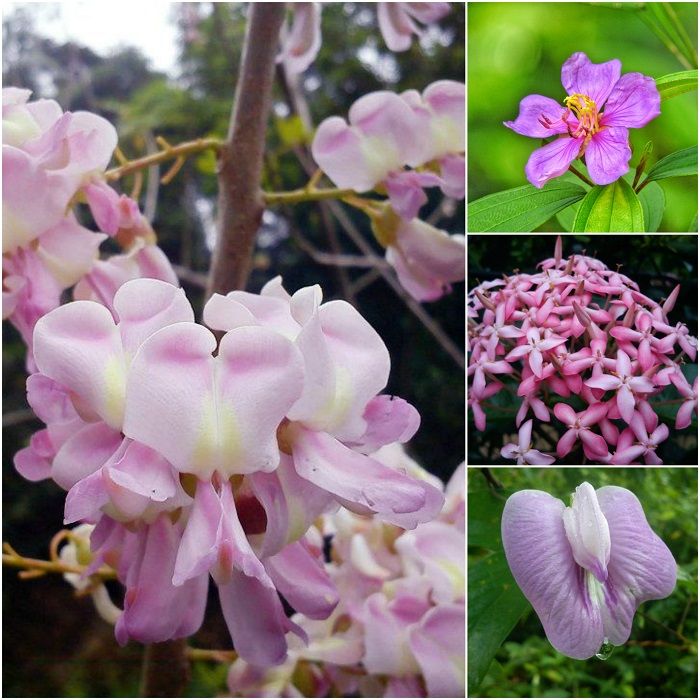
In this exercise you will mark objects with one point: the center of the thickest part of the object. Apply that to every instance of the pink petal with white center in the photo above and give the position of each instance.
(447, 101)
(594, 80)
(69, 250)
(536, 457)
(206, 414)
(79, 346)
(606, 382)
(552, 160)
(565, 413)
(256, 620)
(534, 108)
(300, 577)
(222, 313)
(535, 360)
(360, 364)
(608, 155)
(453, 172)
(437, 643)
(625, 403)
(363, 482)
(144, 306)
(685, 414)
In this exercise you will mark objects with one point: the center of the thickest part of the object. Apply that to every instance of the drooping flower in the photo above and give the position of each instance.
(593, 123)
(586, 568)
(398, 20)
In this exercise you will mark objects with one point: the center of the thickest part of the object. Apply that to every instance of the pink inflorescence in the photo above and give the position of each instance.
(588, 352)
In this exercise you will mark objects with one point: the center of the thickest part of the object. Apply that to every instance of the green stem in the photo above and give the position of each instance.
(306, 195)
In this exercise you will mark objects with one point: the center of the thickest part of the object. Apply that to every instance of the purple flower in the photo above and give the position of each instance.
(599, 109)
(586, 568)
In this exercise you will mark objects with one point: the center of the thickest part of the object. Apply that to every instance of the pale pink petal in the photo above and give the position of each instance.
(535, 360)
(594, 80)
(566, 442)
(552, 160)
(301, 43)
(565, 414)
(606, 382)
(608, 155)
(539, 117)
(389, 419)
(625, 403)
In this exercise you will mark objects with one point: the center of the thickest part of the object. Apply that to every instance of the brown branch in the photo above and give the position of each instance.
(337, 259)
(240, 203)
(196, 279)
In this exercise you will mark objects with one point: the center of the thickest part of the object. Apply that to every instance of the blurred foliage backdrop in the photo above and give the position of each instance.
(656, 263)
(517, 49)
(55, 645)
(659, 660)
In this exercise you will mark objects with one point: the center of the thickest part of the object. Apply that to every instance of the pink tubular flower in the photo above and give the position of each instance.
(598, 111)
(690, 394)
(523, 451)
(579, 425)
(302, 41)
(397, 20)
(534, 348)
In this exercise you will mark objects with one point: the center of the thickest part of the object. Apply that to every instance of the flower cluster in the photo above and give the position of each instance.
(593, 123)
(585, 568)
(50, 161)
(398, 145)
(399, 628)
(576, 330)
(194, 457)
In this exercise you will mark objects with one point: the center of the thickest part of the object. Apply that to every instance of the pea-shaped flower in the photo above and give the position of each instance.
(585, 569)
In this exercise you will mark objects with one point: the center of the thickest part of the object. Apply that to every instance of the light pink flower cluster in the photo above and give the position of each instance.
(398, 630)
(398, 23)
(194, 457)
(398, 145)
(50, 161)
(576, 330)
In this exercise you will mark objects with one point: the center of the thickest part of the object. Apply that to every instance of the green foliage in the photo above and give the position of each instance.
(677, 83)
(523, 208)
(684, 162)
(659, 660)
(613, 207)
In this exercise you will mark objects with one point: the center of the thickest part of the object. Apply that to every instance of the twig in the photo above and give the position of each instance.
(306, 194)
(21, 415)
(241, 203)
(224, 656)
(580, 176)
(196, 279)
(338, 259)
(182, 150)
(17, 561)
(491, 479)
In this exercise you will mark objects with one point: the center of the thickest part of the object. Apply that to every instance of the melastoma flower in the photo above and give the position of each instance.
(593, 122)
(585, 569)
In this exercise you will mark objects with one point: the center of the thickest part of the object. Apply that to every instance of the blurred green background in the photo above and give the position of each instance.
(55, 645)
(656, 263)
(660, 659)
(517, 49)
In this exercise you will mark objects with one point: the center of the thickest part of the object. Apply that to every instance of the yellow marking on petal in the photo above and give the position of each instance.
(380, 157)
(114, 391)
(218, 444)
(447, 137)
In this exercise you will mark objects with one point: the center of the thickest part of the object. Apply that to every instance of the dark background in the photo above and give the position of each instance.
(56, 645)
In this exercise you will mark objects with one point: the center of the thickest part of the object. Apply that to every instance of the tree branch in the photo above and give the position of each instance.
(240, 203)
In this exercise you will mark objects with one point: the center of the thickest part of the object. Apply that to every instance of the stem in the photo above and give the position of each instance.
(492, 481)
(241, 203)
(306, 194)
(166, 669)
(223, 656)
(643, 185)
(182, 150)
(580, 176)
(16, 561)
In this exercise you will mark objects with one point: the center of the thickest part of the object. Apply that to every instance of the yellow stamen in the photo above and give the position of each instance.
(586, 111)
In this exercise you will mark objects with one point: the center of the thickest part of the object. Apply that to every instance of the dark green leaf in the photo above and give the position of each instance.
(521, 209)
(613, 207)
(495, 606)
(485, 509)
(653, 203)
(677, 83)
(683, 162)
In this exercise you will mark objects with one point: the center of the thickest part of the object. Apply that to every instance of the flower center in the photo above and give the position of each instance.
(586, 111)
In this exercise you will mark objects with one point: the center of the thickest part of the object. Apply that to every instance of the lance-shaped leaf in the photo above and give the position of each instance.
(677, 83)
(683, 162)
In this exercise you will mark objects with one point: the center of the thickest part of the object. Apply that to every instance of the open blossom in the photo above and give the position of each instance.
(583, 341)
(586, 568)
(593, 123)
(523, 451)
(398, 630)
(386, 132)
(192, 464)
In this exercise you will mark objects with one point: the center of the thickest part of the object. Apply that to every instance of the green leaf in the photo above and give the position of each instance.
(613, 207)
(495, 606)
(693, 224)
(653, 204)
(677, 83)
(683, 162)
(485, 510)
(521, 209)
(663, 21)
(291, 130)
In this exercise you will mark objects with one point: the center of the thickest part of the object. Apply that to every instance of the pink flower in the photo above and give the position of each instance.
(397, 20)
(579, 425)
(523, 451)
(624, 383)
(685, 412)
(534, 349)
(583, 128)
(301, 42)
